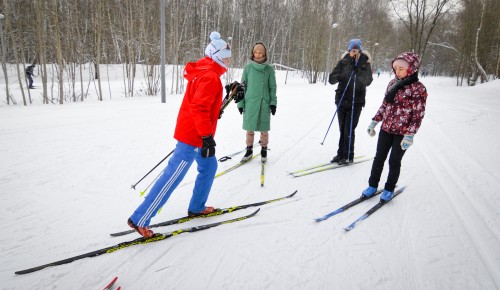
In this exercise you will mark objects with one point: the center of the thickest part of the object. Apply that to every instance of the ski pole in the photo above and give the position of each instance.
(229, 97)
(352, 117)
(133, 186)
(352, 114)
(151, 183)
(340, 102)
(227, 157)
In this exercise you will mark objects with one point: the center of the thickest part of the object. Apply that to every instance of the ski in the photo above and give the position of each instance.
(229, 156)
(347, 206)
(317, 166)
(110, 284)
(157, 237)
(328, 167)
(231, 90)
(215, 213)
(262, 167)
(373, 209)
(235, 166)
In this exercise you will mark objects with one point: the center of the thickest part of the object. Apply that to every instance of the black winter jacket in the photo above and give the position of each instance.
(341, 74)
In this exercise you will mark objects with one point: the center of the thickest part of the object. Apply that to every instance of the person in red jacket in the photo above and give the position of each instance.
(401, 113)
(194, 131)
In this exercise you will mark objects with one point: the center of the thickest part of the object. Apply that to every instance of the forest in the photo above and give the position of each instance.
(67, 39)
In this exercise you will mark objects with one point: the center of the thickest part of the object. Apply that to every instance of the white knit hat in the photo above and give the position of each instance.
(217, 49)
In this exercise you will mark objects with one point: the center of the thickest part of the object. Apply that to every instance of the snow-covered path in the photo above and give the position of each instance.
(66, 172)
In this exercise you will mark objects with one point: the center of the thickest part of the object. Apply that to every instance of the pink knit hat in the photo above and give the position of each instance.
(400, 62)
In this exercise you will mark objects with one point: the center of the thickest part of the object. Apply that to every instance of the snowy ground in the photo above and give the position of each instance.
(66, 172)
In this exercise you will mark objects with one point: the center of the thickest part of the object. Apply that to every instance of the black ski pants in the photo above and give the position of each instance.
(344, 116)
(387, 142)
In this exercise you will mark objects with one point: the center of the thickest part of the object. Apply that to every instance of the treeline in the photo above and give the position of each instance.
(61, 36)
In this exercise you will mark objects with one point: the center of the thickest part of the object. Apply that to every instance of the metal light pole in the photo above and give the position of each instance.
(328, 57)
(162, 52)
(4, 65)
(374, 51)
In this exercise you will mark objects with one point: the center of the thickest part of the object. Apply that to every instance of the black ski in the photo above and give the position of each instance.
(217, 212)
(373, 209)
(345, 207)
(157, 237)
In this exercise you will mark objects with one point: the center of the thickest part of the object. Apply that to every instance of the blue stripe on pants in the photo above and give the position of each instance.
(177, 167)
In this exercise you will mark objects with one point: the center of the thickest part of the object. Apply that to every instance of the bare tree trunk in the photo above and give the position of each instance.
(13, 37)
(484, 77)
(4, 65)
(98, 49)
(41, 35)
(60, 64)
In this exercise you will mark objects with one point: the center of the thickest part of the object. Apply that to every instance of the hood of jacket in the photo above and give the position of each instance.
(193, 69)
(412, 59)
(363, 52)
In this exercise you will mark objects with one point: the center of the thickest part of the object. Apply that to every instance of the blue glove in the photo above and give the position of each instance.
(406, 142)
(371, 128)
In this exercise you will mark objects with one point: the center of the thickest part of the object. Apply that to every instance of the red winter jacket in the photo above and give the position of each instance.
(405, 114)
(200, 107)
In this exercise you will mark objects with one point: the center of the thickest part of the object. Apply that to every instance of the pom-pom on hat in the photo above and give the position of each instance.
(354, 43)
(217, 49)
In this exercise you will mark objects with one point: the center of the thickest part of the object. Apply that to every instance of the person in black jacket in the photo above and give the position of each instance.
(353, 73)
(29, 75)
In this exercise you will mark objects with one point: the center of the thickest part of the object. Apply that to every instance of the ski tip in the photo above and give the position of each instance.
(111, 283)
(318, 220)
(255, 212)
(294, 193)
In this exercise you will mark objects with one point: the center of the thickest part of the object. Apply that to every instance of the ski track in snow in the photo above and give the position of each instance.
(476, 215)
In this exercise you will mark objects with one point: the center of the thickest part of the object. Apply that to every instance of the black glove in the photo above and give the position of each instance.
(356, 69)
(228, 89)
(241, 111)
(240, 92)
(273, 109)
(208, 148)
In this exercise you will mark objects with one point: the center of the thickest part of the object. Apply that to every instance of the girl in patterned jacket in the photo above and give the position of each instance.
(401, 114)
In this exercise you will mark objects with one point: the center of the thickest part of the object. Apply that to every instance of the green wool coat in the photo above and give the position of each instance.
(260, 94)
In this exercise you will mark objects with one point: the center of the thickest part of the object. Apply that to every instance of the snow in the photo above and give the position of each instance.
(66, 173)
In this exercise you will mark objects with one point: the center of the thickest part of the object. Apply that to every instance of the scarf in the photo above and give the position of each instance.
(398, 85)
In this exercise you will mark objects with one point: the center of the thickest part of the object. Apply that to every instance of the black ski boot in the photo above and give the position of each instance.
(263, 154)
(336, 159)
(248, 154)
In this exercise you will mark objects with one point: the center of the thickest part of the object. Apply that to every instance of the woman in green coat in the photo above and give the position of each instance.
(260, 100)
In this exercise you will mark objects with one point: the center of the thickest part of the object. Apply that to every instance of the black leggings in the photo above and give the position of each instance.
(344, 117)
(387, 142)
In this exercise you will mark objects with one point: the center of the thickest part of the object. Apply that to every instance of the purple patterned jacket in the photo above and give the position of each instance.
(405, 114)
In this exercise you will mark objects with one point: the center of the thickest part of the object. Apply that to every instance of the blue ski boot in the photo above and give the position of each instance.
(369, 191)
(386, 195)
